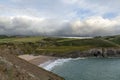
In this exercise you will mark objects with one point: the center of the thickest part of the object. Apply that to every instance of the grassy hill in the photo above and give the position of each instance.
(115, 39)
(47, 45)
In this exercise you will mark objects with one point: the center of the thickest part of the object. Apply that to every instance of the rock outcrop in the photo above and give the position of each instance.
(96, 52)
(14, 68)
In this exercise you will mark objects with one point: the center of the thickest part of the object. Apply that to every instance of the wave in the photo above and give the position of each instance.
(49, 65)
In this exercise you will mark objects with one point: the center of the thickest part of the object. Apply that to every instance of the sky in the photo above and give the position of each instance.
(60, 17)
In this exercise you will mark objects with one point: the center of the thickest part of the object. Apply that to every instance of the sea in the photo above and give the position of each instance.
(85, 68)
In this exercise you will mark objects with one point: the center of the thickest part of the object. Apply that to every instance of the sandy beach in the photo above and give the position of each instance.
(37, 60)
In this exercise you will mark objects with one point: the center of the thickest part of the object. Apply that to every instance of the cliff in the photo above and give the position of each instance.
(14, 68)
(95, 52)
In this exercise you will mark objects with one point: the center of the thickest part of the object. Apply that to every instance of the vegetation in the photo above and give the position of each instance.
(115, 39)
(50, 45)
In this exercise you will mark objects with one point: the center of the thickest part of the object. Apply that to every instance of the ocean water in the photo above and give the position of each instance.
(86, 69)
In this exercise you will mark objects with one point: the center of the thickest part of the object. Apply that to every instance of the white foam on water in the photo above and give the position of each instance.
(49, 65)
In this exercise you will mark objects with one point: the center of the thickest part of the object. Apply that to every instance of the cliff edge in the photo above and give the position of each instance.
(14, 68)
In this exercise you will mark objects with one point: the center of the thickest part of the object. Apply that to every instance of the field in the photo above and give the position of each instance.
(20, 39)
(46, 45)
(115, 39)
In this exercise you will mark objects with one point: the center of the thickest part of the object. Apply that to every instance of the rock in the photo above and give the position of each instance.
(14, 68)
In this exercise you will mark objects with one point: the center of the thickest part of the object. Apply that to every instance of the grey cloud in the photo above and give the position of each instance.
(24, 25)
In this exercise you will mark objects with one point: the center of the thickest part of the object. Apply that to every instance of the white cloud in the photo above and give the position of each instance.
(60, 17)
(95, 26)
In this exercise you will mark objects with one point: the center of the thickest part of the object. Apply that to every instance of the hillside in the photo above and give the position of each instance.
(54, 46)
(14, 68)
(115, 39)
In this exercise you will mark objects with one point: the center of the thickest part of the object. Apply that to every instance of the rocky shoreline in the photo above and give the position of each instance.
(101, 52)
(95, 52)
(28, 71)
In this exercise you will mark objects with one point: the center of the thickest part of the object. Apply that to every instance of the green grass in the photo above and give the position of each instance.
(115, 39)
(87, 42)
(40, 45)
(29, 39)
(66, 39)
(63, 49)
(20, 39)
(69, 45)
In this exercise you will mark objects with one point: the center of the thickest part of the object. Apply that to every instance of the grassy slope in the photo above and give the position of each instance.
(20, 39)
(115, 39)
(55, 45)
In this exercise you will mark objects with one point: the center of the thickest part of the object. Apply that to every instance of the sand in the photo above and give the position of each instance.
(37, 60)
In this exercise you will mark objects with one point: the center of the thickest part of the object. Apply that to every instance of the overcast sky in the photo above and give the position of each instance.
(60, 17)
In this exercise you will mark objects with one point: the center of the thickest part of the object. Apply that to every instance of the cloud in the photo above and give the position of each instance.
(95, 7)
(61, 9)
(92, 26)
(60, 17)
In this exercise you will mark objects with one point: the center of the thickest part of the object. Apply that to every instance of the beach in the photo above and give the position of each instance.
(37, 60)
(46, 62)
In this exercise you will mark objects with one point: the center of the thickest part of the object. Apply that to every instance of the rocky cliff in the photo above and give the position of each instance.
(95, 52)
(14, 68)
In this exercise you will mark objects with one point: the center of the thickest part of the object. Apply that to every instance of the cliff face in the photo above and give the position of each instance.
(14, 68)
(8, 71)
(95, 52)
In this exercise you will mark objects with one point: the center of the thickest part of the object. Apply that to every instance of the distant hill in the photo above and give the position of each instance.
(115, 39)
(57, 46)
(3, 36)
